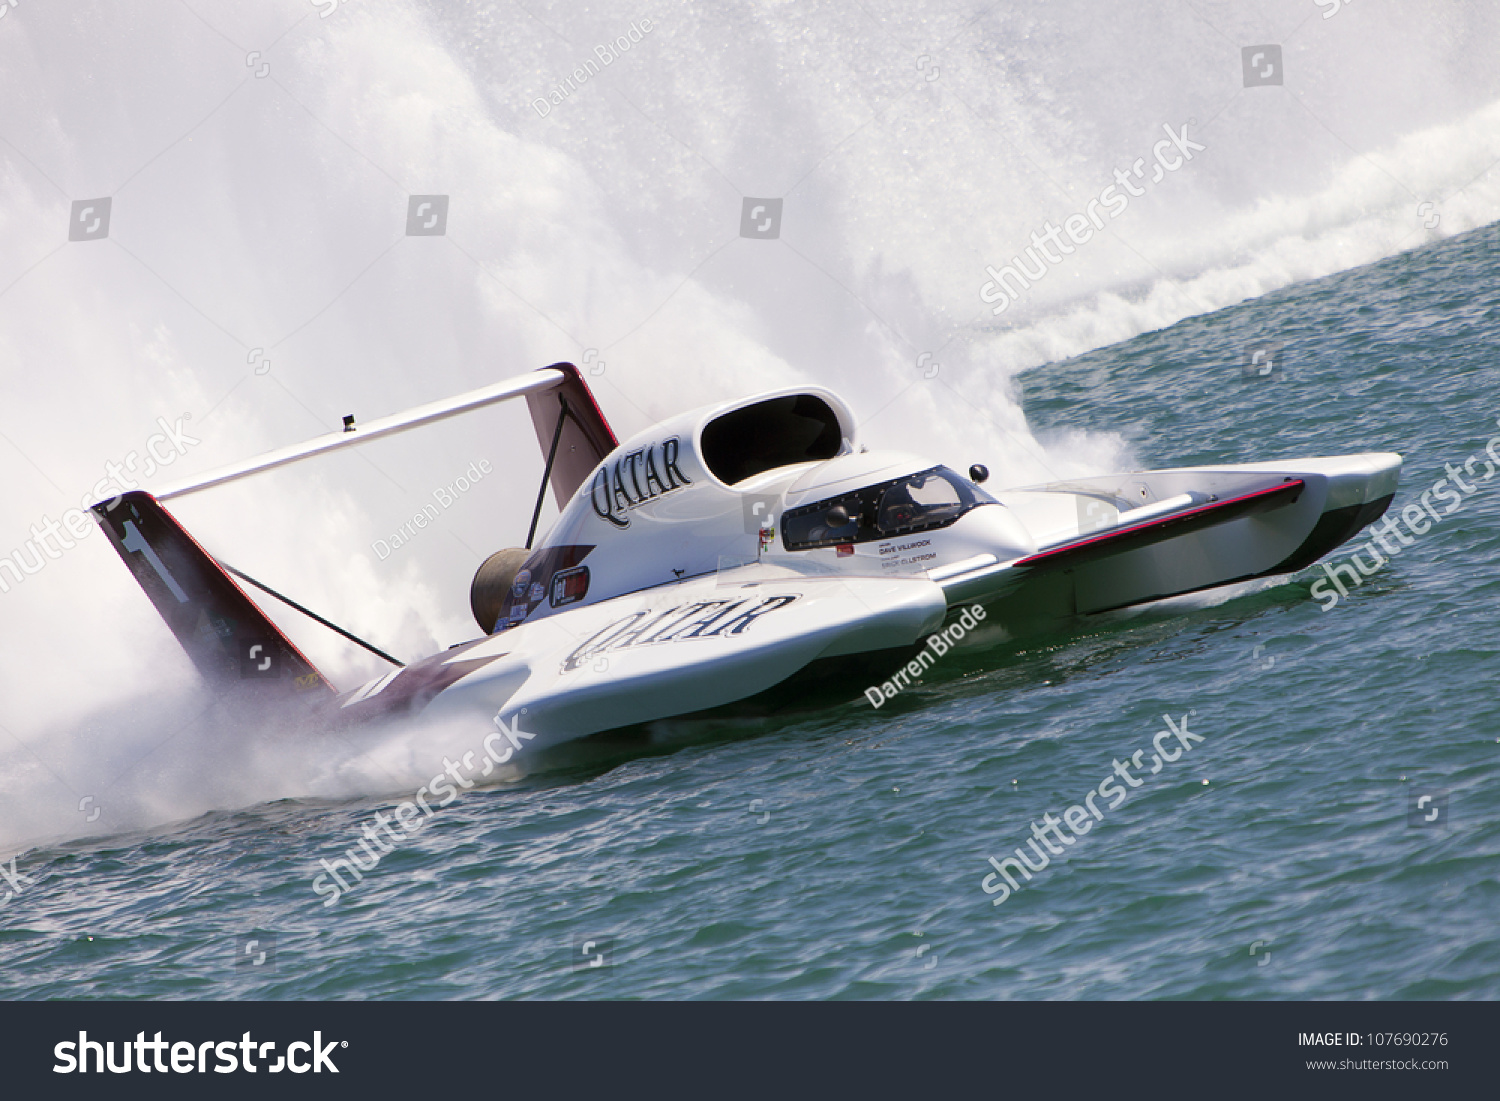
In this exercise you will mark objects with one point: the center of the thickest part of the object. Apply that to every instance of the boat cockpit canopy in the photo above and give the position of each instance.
(901, 506)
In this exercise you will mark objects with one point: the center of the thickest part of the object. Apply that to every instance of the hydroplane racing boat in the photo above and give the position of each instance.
(744, 553)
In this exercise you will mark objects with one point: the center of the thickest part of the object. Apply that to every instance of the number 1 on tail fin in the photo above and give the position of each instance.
(230, 640)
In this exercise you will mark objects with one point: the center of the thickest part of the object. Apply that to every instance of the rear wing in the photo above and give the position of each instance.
(231, 641)
(585, 439)
(226, 635)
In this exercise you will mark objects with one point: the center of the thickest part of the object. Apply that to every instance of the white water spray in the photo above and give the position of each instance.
(258, 273)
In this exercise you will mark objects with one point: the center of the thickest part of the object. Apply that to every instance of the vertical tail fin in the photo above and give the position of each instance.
(582, 437)
(231, 641)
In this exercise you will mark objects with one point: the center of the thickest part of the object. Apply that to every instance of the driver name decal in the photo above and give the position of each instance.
(634, 478)
(699, 619)
(906, 552)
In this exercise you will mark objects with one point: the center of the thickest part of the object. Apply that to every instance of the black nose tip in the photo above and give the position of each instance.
(978, 473)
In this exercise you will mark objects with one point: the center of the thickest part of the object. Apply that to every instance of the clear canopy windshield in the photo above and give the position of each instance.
(917, 502)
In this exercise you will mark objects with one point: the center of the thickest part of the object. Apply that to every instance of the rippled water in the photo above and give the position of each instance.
(841, 855)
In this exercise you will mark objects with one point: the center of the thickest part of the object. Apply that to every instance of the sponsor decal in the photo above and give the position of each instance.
(534, 583)
(634, 478)
(569, 586)
(698, 619)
